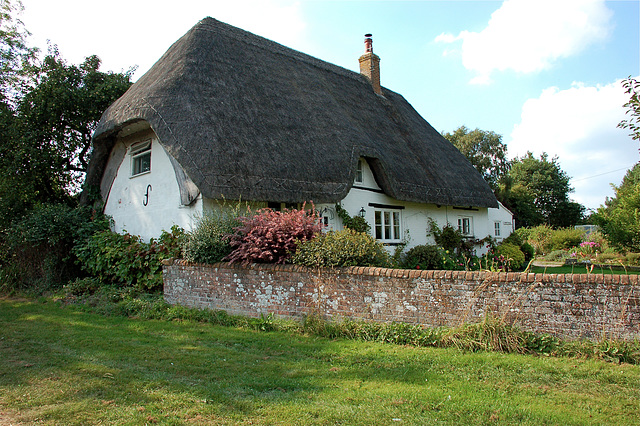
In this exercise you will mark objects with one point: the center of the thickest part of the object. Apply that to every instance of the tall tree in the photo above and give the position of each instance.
(58, 116)
(632, 88)
(16, 58)
(537, 192)
(485, 150)
(619, 217)
(48, 111)
(45, 146)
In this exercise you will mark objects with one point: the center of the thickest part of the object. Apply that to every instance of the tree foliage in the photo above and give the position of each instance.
(632, 88)
(619, 218)
(45, 139)
(484, 150)
(61, 112)
(16, 57)
(537, 191)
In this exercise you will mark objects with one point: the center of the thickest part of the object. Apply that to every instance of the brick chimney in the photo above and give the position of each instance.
(370, 64)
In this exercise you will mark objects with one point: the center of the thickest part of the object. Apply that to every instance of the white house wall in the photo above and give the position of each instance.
(414, 216)
(148, 213)
(504, 217)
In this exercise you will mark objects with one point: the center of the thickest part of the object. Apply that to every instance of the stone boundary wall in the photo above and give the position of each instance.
(568, 306)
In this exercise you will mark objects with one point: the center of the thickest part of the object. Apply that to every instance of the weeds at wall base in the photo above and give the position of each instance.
(490, 334)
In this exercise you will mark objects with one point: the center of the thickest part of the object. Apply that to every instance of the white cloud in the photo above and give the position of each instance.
(124, 33)
(447, 38)
(579, 125)
(530, 35)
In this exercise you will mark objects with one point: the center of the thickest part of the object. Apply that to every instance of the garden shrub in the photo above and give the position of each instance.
(528, 251)
(341, 248)
(598, 237)
(447, 237)
(271, 236)
(566, 238)
(540, 237)
(124, 260)
(424, 257)
(38, 248)
(557, 256)
(517, 238)
(508, 257)
(453, 241)
(209, 241)
(460, 262)
(613, 258)
(357, 223)
(632, 259)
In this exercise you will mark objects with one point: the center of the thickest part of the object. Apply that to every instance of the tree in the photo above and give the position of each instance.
(619, 218)
(537, 190)
(61, 112)
(16, 58)
(485, 150)
(48, 112)
(45, 146)
(632, 87)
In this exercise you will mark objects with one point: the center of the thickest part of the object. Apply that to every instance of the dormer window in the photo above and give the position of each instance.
(359, 178)
(140, 158)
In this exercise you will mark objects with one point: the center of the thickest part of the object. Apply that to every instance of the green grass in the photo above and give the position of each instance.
(60, 365)
(579, 270)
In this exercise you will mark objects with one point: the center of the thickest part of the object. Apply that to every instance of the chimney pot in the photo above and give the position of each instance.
(368, 43)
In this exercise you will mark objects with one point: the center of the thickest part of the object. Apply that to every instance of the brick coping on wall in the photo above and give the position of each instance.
(523, 277)
(566, 305)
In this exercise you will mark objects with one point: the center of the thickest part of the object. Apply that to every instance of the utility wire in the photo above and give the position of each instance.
(602, 174)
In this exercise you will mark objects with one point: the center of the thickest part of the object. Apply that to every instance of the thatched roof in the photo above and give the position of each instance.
(248, 118)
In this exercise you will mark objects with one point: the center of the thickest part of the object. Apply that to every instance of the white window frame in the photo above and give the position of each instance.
(465, 229)
(497, 228)
(387, 225)
(359, 172)
(140, 151)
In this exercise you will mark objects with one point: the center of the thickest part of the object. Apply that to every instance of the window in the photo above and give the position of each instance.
(387, 225)
(496, 227)
(359, 178)
(140, 158)
(465, 226)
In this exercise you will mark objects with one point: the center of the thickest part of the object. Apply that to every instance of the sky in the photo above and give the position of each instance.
(544, 74)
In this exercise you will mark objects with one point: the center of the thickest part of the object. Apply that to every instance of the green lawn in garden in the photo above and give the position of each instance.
(62, 366)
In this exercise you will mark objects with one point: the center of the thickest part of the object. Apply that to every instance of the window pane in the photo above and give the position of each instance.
(387, 226)
(378, 223)
(359, 172)
(142, 163)
(396, 225)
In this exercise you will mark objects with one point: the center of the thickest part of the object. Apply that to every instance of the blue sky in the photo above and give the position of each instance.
(545, 74)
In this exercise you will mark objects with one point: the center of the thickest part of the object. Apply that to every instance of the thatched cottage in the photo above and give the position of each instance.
(226, 114)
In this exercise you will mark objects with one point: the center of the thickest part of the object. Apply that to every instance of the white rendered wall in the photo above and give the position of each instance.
(126, 200)
(503, 216)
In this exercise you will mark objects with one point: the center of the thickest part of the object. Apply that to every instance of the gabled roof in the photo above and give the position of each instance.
(248, 118)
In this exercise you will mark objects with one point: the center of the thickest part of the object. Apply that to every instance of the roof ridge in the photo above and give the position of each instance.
(214, 25)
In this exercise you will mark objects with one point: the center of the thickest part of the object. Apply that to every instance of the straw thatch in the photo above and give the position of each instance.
(248, 118)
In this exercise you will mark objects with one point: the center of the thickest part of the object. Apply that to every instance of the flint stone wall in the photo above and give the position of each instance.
(568, 306)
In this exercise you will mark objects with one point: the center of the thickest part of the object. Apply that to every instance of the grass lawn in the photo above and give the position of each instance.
(579, 270)
(68, 367)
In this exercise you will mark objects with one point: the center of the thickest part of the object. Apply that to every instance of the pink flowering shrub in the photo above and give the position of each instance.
(271, 236)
